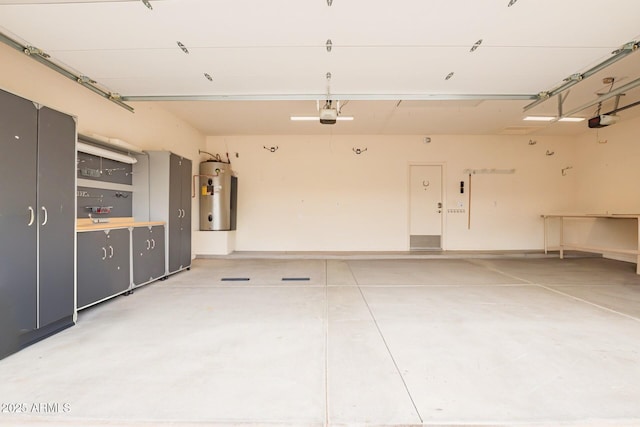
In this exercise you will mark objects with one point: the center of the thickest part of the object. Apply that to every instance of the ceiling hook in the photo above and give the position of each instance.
(271, 149)
(359, 150)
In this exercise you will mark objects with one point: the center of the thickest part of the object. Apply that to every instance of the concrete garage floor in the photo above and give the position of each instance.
(447, 342)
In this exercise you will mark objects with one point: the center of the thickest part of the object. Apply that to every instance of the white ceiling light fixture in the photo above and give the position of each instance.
(539, 118)
(107, 154)
(572, 119)
(551, 119)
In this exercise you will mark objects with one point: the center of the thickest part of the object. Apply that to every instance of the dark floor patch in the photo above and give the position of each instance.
(235, 279)
(295, 279)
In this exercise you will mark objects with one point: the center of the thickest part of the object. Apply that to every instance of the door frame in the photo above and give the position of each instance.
(443, 219)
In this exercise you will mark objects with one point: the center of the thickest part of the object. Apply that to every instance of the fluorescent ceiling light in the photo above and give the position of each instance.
(572, 119)
(538, 118)
(107, 154)
(316, 119)
(550, 119)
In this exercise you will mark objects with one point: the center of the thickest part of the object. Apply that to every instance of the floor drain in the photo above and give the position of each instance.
(295, 279)
(234, 279)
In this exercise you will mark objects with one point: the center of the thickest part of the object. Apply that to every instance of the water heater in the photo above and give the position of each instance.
(216, 196)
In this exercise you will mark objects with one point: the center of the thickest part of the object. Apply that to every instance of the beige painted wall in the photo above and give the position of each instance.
(150, 127)
(314, 193)
(607, 173)
(608, 168)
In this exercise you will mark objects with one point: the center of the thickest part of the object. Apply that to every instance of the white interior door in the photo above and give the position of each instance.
(425, 221)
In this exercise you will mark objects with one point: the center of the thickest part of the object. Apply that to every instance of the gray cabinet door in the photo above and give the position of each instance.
(103, 265)
(141, 245)
(175, 213)
(156, 260)
(56, 214)
(18, 242)
(185, 241)
(93, 267)
(148, 254)
(119, 260)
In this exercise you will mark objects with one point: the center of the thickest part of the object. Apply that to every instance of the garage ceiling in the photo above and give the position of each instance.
(269, 60)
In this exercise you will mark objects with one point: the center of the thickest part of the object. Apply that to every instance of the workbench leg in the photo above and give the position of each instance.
(638, 256)
(561, 238)
(545, 235)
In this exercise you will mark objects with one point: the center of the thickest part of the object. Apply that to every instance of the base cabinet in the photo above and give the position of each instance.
(103, 265)
(148, 254)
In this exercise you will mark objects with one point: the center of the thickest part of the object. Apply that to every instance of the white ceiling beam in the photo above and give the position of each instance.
(335, 97)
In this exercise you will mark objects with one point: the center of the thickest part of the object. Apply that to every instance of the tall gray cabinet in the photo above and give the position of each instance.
(170, 201)
(37, 221)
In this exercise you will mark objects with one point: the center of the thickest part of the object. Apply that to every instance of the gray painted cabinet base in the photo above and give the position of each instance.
(103, 265)
(148, 254)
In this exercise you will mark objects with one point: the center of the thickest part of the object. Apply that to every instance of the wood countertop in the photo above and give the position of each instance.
(86, 224)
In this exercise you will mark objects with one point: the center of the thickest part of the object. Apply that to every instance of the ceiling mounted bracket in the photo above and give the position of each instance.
(574, 79)
(561, 100)
(148, 4)
(32, 50)
(475, 46)
(329, 45)
(631, 85)
(329, 3)
(43, 58)
(86, 79)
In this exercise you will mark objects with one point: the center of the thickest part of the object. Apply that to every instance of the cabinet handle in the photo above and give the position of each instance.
(148, 244)
(153, 243)
(46, 216)
(110, 251)
(105, 254)
(31, 216)
(183, 213)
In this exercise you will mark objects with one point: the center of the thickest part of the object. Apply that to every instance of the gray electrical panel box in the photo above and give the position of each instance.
(216, 196)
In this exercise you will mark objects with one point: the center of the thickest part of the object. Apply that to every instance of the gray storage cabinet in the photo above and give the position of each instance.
(37, 221)
(170, 201)
(103, 265)
(148, 254)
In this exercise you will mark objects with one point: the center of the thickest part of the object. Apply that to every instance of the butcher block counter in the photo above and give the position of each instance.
(86, 224)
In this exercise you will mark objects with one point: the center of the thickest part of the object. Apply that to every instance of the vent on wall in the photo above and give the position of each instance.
(425, 242)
